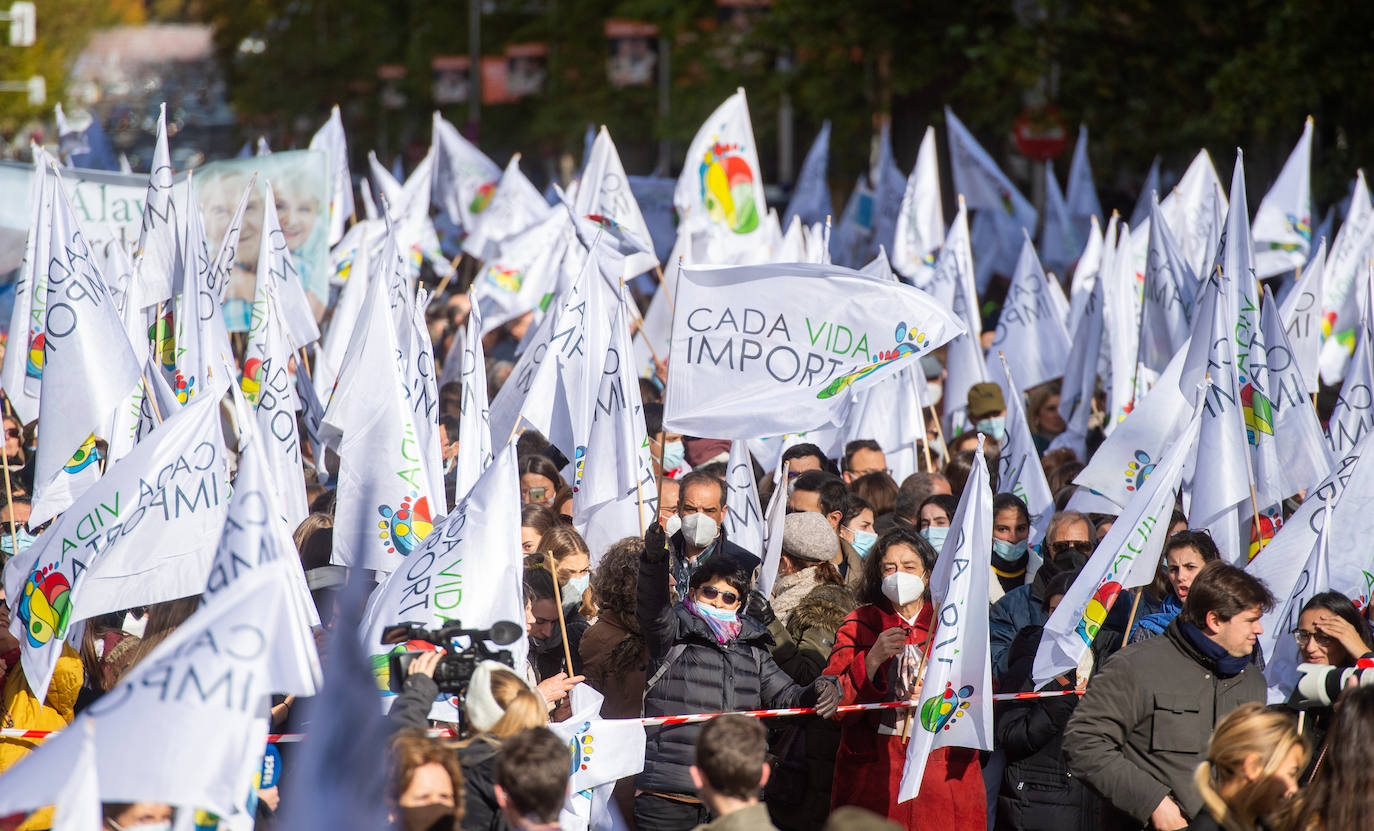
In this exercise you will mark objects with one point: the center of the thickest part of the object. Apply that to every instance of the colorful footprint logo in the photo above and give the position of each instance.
(579, 460)
(1096, 611)
(34, 368)
(482, 198)
(183, 388)
(506, 279)
(939, 712)
(909, 342)
(402, 528)
(727, 188)
(84, 457)
(580, 745)
(252, 384)
(44, 605)
(1138, 470)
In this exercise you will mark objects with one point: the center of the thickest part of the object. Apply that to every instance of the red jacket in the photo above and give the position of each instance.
(868, 768)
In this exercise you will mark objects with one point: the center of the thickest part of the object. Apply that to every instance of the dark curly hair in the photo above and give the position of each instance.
(615, 584)
(871, 586)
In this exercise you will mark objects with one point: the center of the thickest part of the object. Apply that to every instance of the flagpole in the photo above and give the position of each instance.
(305, 362)
(558, 601)
(9, 493)
(663, 286)
(1135, 606)
(939, 431)
(148, 393)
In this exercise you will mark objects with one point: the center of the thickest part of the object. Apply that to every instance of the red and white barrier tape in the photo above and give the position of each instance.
(658, 721)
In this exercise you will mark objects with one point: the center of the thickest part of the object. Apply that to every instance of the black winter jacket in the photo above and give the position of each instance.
(706, 677)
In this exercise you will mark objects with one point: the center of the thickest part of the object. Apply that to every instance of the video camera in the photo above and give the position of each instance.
(456, 666)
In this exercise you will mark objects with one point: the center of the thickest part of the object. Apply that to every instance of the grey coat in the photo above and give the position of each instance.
(1143, 725)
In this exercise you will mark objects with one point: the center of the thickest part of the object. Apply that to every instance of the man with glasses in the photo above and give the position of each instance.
(1068, 544)
(699, 534)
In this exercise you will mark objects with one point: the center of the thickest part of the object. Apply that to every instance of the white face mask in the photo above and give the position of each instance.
(902, 587)
(672, 525)
(699, 529)
(934, 390)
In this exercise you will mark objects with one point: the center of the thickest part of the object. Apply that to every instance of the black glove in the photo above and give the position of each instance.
(655, 544)
(827, 696)
(759, 608)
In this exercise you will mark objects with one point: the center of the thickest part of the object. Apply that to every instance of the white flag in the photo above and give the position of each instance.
(331, 140)
(1121, 329)
(603, 751)
(774, 520)
(523, 273)
(1141, 211)
(1059, 239)
(890, 413)
(720, 190)
(1029, 331)
(1086, 273)
(1351, 416)
(23, 362)
(764, 350)
(1301, 312)
(143, 534)
(1302, 454)
(469, 570)
(1167, 298)
(743, 521)
(604, 190)
(474, 427)
(810, 200)
(956, 705)
(276, 264)
(1283, 223)
(64, 774)
(1194, 209)
(329, 355)
(921, 221)
(982, 183)
(464, 178)
(1082, 195)
(1080, 379)
(1127, 557)
(889, 186)
(952, 285)
(1018, 465)
(157, 255)
(1347, 263)
(515, 206)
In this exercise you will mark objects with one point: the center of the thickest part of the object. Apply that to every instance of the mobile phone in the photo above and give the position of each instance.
(537, 494)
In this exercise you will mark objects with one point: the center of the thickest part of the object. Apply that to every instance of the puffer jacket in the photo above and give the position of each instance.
(707, 676)
(1143, 725)
(19, 709)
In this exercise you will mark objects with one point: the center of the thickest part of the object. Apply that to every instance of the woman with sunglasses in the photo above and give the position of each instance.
(879, 656)
(704, 657)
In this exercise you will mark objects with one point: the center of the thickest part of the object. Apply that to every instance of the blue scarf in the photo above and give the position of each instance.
(1147, 626)
(724, 625)
(1227, 664)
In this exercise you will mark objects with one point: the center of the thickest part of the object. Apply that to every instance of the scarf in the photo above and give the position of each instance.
(1147, 626)
(1227, 664)
(789, 590)
(724, 629)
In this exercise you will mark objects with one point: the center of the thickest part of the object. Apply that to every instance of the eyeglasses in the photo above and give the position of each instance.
(711, 593)
(12, 432)
(1081, 546)
(1303, 636)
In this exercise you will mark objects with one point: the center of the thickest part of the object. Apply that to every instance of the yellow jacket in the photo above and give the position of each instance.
(20, 710)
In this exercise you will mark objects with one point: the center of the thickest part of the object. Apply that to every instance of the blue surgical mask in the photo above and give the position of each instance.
(1008, 551)
(863, 541)
(936, 534)
(994, 426)
(674, 455)
(21, 537)
(572, 590)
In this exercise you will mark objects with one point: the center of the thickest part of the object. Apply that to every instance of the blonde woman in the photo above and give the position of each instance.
(1253, 763)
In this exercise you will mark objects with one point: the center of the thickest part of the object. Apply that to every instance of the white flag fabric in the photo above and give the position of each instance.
(1222, 480)
(1080, 378)
(1283, 224)
(1121, 329)
(1301, 312)
(88, 365)
(1081, 194)
(773, 520)
(276, 265)
(849, 245)
(890, 413)
(743, 521)
(71, 766)
(1300, 447)
(982, 183)
(1059, 238)
(514, 206)
(1194, 210)
(23, 363)
(810, 200)
(603, 750)
(921, 220)
(204, 689)
(1018, 465)
(464, 178)
(331, 140)
(143, 534)
(952, 285)
(614, 491)
(720, 190)
(1167, 299)
(604, 190)
(764, 350)
(889, 185)
(469, 569)
(1029, 331)
(422, 393)
(1086, 273)
(1141, 211)
(199, 320)
(474, 425)
(1351, 416)
(1127, 557)
(523, 273)
(329, 356)
(157, 255)
(1346, 266)
(956, 705)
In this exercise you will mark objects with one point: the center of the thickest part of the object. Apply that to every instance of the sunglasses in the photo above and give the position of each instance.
(1081, 546)
(711, 593)
(12, 432)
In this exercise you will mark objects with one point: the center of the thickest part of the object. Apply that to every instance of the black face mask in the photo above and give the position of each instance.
(1070, 560)
(427, 818)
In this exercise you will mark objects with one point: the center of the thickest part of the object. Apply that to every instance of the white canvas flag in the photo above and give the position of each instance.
(849, 245)
(23, 361)
(187, 344)
(810, 200)
(1080, 378)
(329, 356)
(1018, 465)
(1086, 273)
(1081, 194)
(157, 254)
(88, 365)
(515, 206)
(422, 393)
(1141, 212)
(1127, 557)
(603, 751)
(889, 185)
(614, 490)
(1059, 239)
(331, 140)
(952, 285)
(774, 520)
(1351, 416)
(1221, 479)
(921, 220)
(464, 178)
(743, 521)
(1301, 312)
(469, 570)
(890, 413)
(604, 190)
(64, 774)
(1121, 329)
(1302, 452)
(143, 534)
(523, 273)
(1167, 299)
(504, 415)
(956, 696)
(1029, 331)
(765, 350)
(981, 182)
(276, 265)
(269, 387)
(1283, 223)
(1347, 263)
(1194, 210)
(720, 190)
(474, 426)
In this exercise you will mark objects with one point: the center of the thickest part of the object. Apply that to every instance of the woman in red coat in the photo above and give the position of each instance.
(878, 657)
